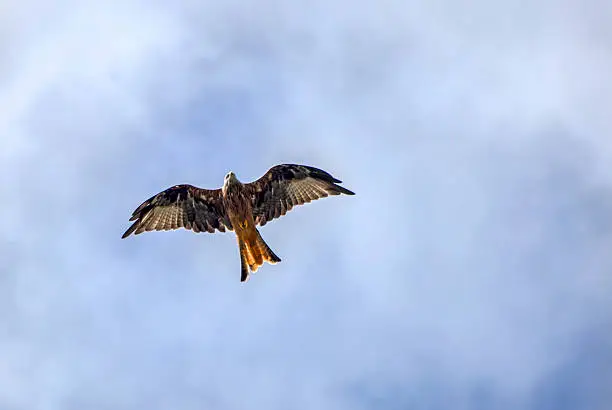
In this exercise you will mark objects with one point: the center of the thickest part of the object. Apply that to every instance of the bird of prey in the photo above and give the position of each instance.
(238, 207)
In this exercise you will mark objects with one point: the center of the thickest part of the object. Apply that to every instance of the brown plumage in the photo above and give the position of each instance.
(238, 207)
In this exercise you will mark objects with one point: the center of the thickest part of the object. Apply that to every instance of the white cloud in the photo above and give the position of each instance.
(469, 264)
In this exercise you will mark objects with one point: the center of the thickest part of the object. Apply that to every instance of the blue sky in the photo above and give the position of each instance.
(472, 270)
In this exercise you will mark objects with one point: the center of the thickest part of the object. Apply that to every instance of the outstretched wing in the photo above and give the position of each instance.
(181, 206)
(287, 185)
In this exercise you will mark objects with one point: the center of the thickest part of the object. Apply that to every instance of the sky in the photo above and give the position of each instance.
(471, 270)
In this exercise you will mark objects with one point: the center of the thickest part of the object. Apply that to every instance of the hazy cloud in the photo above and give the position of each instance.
(470, 270)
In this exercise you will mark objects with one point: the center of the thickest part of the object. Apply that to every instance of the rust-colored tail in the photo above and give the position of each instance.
(254, 251)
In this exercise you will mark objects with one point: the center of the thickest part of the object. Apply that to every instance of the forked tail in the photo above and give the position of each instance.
(254, 251)
(267, 254)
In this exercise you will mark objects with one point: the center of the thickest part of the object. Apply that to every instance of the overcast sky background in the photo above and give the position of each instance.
(472, 270)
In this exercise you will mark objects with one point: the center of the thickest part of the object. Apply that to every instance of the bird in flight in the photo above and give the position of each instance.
(238, 207)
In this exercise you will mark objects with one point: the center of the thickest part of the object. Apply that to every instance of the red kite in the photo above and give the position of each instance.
(238, 207)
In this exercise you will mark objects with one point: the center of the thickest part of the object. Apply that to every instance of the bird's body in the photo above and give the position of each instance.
(238, 204)
(238, 207)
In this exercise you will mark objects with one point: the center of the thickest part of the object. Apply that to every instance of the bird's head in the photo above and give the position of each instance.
(230, 179)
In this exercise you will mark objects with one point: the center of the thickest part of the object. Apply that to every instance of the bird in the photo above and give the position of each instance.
(237, 207)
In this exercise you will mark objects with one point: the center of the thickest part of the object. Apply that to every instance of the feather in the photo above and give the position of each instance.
(181, 206)
(288, 185)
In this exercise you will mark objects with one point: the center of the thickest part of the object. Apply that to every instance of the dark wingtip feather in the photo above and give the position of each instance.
(334, 181)
(329, 178)
(320, 174)
(129, 230)
(344, 190)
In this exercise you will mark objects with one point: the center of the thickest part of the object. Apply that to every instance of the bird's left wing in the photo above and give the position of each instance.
(287, 185)
(181, 206)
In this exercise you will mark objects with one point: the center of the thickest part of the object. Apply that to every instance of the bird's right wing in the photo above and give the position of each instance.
(181, 206)
(287, 185)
